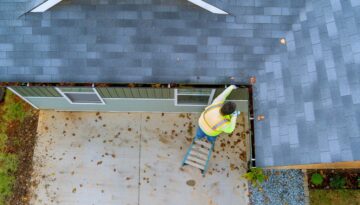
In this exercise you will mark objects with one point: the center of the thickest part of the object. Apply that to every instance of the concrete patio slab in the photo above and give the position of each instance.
(132, 158)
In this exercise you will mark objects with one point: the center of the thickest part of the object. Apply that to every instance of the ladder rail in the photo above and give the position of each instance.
(208, 159)
(187, 153)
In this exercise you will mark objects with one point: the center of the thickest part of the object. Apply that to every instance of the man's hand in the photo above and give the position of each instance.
(236, 113)
(233, 87)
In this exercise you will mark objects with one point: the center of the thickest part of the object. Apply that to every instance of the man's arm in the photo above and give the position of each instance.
(222, 97)
(231, 126)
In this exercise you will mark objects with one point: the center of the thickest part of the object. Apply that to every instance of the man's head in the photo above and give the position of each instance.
(228, 108)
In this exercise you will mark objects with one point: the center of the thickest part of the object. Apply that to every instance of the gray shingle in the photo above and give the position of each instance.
(331, 28)
(325, 98)
(309, 111)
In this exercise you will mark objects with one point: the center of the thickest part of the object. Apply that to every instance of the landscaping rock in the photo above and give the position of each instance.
(282, 187)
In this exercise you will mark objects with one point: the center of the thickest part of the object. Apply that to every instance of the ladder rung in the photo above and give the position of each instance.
(205, 144)
(203, 150)
(194, 164)
(197, 160)
(198, 154)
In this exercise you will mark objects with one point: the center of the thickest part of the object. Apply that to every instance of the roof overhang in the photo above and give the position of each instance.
(208, 7)
(44, 6)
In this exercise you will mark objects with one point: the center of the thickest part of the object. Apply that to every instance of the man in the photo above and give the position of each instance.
(218, 117)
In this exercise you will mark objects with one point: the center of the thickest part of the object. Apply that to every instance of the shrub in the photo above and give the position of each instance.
(255, 176)
(317, 179)
(337, 182)
(358, 181)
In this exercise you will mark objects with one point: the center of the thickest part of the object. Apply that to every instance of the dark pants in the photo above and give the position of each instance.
(201, 134)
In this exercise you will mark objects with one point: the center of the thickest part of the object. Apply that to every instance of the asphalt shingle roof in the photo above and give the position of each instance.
(139, 40)
(308, 90)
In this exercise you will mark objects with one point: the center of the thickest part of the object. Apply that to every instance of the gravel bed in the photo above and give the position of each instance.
(283, 187)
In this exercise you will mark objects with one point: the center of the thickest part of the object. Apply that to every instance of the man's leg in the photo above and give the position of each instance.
(212, 140)
(199, 134)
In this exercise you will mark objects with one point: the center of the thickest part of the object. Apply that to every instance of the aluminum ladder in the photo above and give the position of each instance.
(198, 155)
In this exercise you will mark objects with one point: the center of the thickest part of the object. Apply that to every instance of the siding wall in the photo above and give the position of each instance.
(36, 91)
(155, 93)
(119, 99)
(238, 94)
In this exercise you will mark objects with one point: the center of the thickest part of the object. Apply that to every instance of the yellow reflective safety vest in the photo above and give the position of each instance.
(211, 121)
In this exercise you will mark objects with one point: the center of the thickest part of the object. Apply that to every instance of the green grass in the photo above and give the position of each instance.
(3, 140)
(335, 197)
(12, 109)
(8, 167)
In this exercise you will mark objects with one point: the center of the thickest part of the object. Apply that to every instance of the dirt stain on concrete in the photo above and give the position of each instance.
(242, 156)
(190, 129)
(191, 182)
(188, 116)
(163, 139)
